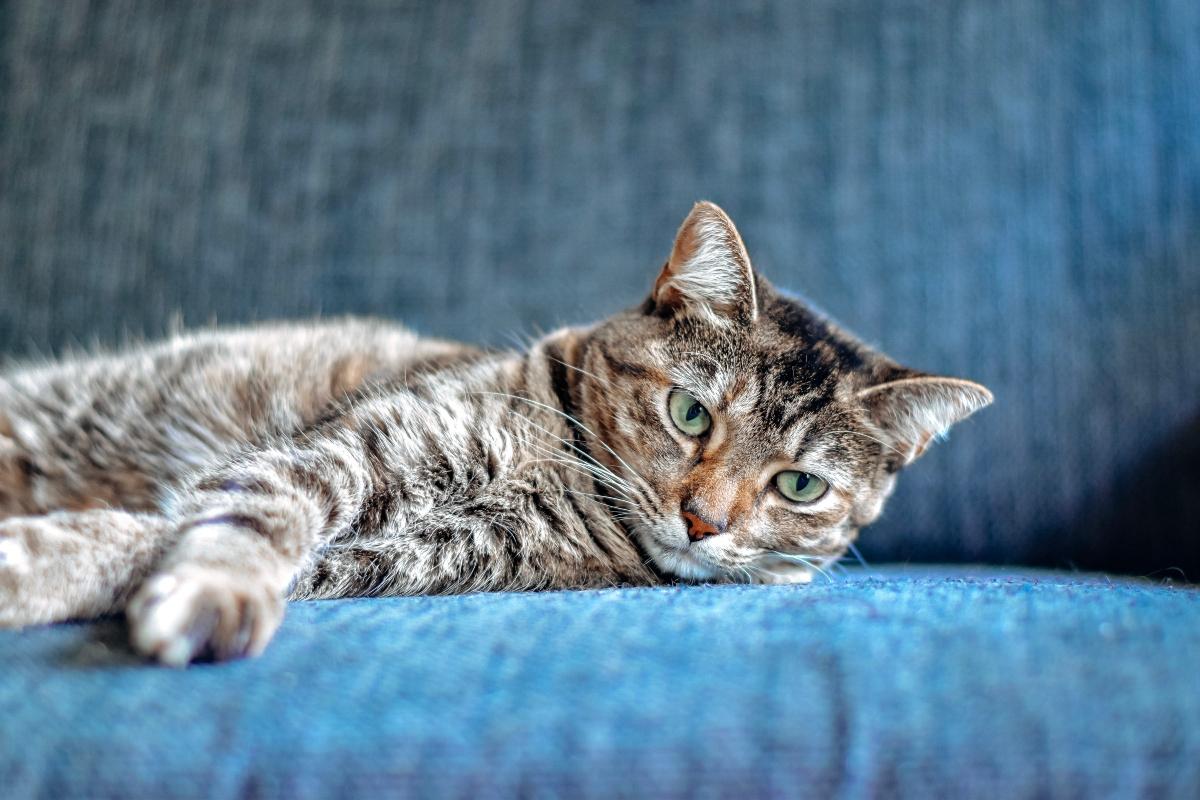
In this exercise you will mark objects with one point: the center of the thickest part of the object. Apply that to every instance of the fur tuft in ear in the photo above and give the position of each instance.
(911, 412)
(709, 272)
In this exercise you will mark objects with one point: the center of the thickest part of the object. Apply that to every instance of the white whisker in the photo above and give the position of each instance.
(858, 555)
(580, 370)
(575, 421)
(808, 561)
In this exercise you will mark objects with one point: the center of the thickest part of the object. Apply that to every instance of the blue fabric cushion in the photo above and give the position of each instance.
(905, 683)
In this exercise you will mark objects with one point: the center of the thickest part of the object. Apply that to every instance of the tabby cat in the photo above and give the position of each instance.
(720, 431)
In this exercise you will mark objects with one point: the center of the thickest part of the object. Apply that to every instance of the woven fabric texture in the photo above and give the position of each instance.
(905, 685)
(1009, 192)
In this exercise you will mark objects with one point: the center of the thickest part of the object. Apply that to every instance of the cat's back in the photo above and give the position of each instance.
(301, 363)
(173, 405)
(304, 365)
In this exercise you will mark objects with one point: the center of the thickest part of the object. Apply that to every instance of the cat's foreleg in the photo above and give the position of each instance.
(245, 529)
(75, 565)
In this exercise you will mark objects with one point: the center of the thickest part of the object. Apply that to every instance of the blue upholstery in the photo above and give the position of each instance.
(919, 684)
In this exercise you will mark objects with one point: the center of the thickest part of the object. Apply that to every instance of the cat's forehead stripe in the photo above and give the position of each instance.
(743, 395)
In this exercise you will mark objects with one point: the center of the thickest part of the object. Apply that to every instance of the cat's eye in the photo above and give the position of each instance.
(801, 487)
(688, 413)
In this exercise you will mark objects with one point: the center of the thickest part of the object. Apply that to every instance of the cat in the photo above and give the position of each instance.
(719, 431)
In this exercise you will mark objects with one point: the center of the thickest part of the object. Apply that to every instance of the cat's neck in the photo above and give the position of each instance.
(553, 376)
(542, 384)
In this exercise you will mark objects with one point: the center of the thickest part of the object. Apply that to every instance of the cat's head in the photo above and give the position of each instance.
(749, 434)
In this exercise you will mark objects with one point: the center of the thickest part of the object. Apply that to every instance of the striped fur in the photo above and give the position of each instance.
(199, 482)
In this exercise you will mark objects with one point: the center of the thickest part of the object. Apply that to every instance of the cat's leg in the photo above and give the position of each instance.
(244, 530)
(75, 565)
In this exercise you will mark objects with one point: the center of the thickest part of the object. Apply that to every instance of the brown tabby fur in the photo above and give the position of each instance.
(199, 482)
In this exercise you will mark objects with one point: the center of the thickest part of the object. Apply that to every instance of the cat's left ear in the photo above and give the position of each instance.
(912, 411)
(708, 273)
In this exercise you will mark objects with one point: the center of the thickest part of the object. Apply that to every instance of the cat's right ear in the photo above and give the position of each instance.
(709, 273)
(913, 409)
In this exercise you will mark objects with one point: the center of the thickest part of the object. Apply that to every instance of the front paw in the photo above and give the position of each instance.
(197, 613)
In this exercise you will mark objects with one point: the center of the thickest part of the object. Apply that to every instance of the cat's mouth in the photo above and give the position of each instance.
(690, 562)
(684, 562)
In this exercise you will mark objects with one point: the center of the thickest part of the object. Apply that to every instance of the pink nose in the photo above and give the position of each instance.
(699, 527)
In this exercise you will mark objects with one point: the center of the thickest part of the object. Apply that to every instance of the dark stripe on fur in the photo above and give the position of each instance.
(235, 521)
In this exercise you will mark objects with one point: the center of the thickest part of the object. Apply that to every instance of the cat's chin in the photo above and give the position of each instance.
(684, 562)
(677, 561)
(783, 573)
(684, 565)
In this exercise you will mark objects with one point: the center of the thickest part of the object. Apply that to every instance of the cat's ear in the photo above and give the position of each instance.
(913, 410)
(708, 273)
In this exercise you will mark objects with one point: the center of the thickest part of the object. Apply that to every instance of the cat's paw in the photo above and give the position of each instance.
(196, 613)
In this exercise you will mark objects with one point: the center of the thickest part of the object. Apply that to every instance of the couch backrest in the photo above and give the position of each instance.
(1009, 192)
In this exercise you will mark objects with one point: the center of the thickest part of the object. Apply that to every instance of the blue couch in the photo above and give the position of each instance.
(881, 683)
(1010, 192)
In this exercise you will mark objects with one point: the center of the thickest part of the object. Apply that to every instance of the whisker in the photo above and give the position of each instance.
(567, 416)
(598, 479)
(591, 462)
(599, 471)
(599, 474)
(862, 561)
(590, 459)
(808, 561)
(598, 497)
(579, 370)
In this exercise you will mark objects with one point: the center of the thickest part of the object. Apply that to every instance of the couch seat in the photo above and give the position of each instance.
(921, 682)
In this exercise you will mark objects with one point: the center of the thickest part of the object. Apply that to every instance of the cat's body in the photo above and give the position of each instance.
(198, 482)
(411, 452)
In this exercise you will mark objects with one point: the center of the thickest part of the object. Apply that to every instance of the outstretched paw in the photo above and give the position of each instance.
(197, 613)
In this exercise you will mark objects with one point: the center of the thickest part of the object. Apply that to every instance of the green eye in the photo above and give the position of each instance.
(801, 487)
(688, 414)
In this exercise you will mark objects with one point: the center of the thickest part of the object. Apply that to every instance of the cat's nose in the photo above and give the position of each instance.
(698, 525)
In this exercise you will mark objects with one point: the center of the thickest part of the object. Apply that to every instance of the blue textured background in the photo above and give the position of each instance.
(910, 685)
(1009, 191)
